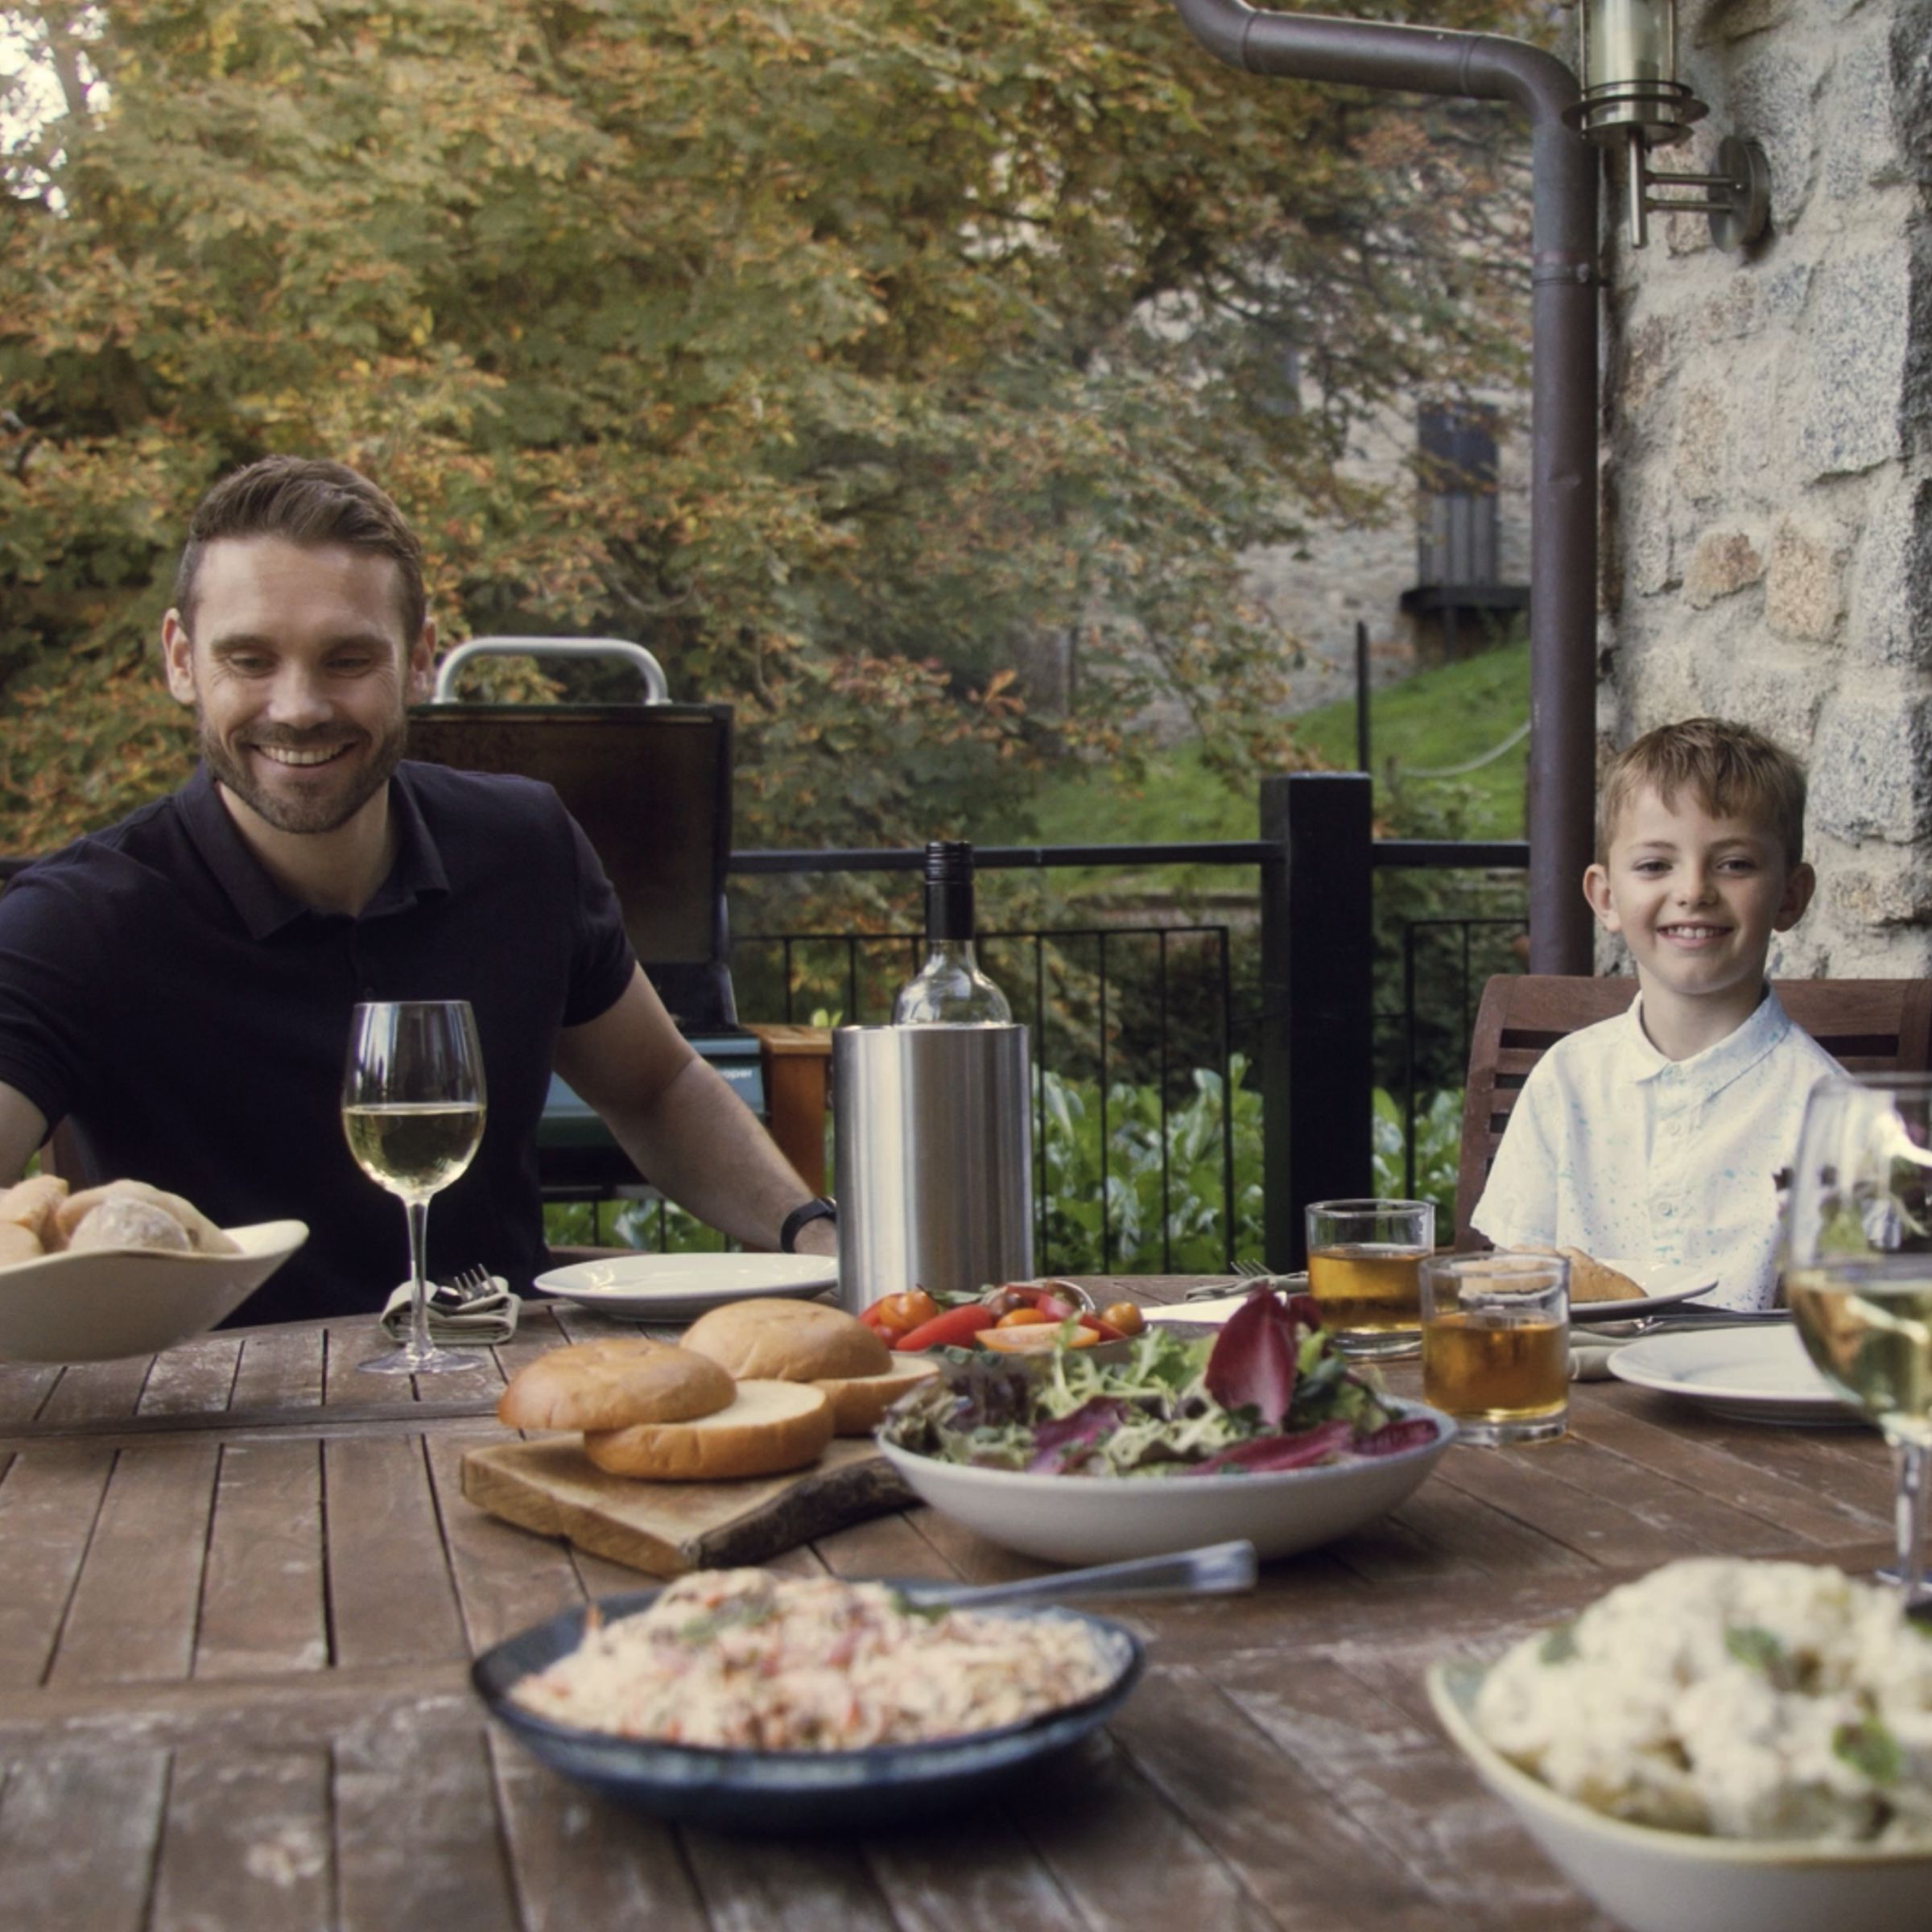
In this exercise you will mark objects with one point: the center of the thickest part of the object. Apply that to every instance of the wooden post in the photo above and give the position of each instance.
(796, 1064)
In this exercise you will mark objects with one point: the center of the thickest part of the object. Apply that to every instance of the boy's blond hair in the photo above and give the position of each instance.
(1732, 770)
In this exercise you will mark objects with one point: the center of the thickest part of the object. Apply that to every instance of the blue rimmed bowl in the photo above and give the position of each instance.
(795, 1791)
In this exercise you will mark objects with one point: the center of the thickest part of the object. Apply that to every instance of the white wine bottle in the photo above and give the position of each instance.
(950, 989)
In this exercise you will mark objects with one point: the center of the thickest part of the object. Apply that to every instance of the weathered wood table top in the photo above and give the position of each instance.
(240, 1589)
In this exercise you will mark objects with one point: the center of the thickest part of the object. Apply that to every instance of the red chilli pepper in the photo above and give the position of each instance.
(1105, 1331)
(869, 1315)
(956, 1327)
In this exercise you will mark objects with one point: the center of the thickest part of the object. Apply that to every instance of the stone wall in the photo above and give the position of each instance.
(1767, 451)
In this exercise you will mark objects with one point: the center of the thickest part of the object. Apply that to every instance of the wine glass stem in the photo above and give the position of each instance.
(1908, 1517)
(418, 1211)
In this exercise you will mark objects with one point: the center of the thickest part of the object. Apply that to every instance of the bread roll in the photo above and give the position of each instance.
(204, 1236)
(788, 1342)
(30, 1204)
(1590, 1279)
(859, 1402)
(18, 1244)
(124, 1220)
(772, 1427)
(609, 1384)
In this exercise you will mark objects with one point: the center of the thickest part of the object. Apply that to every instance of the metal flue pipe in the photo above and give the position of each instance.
(1562, 510)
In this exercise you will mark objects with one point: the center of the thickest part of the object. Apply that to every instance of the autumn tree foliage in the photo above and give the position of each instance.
(840, 350)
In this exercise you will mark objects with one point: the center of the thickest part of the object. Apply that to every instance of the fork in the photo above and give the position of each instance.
(471, 1283)
(1244, 1270)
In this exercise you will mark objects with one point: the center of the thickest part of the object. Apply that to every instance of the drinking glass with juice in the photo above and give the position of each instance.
(1362, 1261)
(1495, 1345)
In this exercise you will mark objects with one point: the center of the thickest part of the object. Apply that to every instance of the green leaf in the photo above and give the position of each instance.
(1761, 1649)
(1558, 1645)
(1869, 1747)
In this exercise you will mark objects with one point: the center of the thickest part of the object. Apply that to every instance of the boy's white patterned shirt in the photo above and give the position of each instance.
(1664, 1165)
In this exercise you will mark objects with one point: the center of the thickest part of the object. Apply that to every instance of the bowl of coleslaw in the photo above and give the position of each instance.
(1264, 1431)
(748, 1702)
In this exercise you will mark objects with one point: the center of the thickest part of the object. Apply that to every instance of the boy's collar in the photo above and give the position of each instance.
(1719, 1063)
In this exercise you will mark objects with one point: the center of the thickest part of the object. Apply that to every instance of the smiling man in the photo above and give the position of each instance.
(179, 987)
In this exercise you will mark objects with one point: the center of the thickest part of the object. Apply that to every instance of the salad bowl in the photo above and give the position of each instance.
(1262, 1431)
(1096, 1519)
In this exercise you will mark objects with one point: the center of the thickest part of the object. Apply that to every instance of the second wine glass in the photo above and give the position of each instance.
(413, 1106)
(1859, 1273)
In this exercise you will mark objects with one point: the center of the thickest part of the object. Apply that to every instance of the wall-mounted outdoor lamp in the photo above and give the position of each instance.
(1633, 99)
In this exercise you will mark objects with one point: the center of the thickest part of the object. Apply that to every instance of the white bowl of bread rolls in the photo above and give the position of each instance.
(121, 1270)
(755, 1389)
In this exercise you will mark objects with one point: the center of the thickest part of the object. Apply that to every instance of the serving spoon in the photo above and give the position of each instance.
(1217, 1570)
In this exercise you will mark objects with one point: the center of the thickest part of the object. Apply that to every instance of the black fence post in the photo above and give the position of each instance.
(1317, 1003)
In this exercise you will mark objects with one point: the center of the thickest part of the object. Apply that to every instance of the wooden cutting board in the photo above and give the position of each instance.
(550, 1485)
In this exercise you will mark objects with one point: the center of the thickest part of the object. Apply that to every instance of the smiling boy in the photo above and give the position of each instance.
(1653, 1138)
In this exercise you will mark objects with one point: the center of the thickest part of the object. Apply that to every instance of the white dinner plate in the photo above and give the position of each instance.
(1662, 1288)
(1759, 1375)
(681, 1287)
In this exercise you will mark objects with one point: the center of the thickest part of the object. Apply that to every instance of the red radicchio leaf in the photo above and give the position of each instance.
(1393, 1438)
(1252, 1364)
(1060, 1446)
(1264, 1452)
(1304, 1309)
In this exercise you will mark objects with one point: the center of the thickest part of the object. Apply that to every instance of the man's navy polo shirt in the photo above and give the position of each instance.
(161, 991)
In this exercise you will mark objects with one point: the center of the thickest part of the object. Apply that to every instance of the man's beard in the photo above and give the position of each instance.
(367, 771)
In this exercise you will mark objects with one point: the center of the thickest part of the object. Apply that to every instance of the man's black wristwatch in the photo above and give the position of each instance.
(821, 1207)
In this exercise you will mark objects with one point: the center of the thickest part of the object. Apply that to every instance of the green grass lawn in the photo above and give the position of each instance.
(1439, 718)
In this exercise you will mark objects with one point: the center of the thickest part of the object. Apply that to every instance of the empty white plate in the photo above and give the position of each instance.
(1759, 1375)
(681, 1287)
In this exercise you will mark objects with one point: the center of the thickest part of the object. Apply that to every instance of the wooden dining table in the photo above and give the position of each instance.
(240, 1590)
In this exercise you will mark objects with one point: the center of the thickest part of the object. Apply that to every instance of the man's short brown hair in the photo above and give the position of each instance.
(1732, 770)
(304, 501)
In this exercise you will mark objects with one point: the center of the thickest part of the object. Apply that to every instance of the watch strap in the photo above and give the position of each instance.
(820, 1207)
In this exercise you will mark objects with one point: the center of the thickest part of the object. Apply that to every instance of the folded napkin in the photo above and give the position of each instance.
(1590, 1354)
(481, 1322)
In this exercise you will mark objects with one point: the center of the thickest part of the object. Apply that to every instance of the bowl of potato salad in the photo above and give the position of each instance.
(1722, 1746)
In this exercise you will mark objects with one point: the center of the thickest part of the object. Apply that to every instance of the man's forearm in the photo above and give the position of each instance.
(700, 1145)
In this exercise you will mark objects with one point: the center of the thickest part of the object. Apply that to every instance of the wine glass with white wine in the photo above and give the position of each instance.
(1858, 1272)
(412, 1108)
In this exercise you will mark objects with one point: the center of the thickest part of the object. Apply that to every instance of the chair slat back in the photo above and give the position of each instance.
(1868, 1025)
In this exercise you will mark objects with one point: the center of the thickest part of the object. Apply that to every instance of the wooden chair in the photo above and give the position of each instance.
(1869, 1026)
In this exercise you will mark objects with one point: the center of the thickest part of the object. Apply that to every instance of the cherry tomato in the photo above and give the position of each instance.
(1125, 1316)
(870, 1318)
(901, 1313)
(953, 1329)
(1028, 1318)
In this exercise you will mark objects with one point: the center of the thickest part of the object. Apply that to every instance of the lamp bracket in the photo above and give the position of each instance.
(1739, 197)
